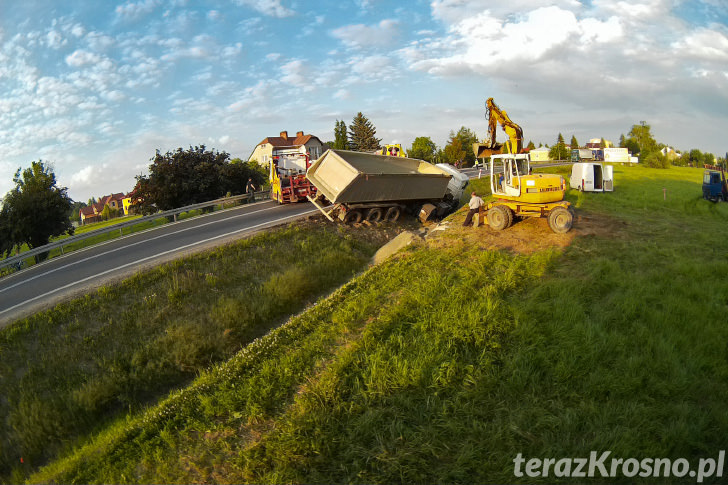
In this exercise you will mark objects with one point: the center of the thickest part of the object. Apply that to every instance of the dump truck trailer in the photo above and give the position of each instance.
(363, 186)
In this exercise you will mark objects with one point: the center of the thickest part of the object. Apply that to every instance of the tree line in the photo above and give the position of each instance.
(360, 136)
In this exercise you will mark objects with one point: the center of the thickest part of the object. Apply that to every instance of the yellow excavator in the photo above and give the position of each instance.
(518, 192)
(490, 146)
(394, 150)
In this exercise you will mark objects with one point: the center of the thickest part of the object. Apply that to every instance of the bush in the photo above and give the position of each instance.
(656, 160)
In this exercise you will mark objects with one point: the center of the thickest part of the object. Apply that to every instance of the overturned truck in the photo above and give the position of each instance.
(364, 186)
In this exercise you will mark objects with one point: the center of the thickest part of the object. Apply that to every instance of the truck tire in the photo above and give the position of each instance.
(352, 217)
(498, 217)
(392, 214)
(560, 220)
(374, 215)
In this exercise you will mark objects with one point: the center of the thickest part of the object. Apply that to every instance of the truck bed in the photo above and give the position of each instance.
(355, 177)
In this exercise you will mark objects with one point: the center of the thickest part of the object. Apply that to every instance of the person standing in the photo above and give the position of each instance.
(250, 189)
(475, 204)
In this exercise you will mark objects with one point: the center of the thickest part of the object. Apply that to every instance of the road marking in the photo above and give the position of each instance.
(88, 278)
(27, 280)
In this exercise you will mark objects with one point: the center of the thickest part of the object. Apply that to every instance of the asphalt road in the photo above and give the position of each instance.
(43, 285)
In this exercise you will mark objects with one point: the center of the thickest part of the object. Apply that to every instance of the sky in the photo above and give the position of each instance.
(95, 88)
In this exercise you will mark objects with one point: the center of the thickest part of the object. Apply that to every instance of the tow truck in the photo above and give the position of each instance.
(288, 182)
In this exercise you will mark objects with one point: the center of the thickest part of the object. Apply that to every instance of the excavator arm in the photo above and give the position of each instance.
(497, 116)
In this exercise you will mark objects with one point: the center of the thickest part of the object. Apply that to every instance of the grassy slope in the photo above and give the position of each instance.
(443, 365)
(68, 371)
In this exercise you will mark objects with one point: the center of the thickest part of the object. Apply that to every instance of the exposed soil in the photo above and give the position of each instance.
(524, 236)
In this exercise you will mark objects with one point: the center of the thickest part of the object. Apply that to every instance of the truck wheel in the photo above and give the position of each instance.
(560, 220)
(374, 215)
(392, 214)
(352, 217)
(498, 217)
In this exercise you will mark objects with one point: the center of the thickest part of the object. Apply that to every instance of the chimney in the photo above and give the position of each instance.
(299, 134)
(284, 135)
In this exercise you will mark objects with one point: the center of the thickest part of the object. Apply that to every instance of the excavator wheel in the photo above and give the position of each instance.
(352, 217)
(510, 216)
(560, 220)
(499, 217)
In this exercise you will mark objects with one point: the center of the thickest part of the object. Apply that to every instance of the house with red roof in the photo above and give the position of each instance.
(92, 213)
(287, 145)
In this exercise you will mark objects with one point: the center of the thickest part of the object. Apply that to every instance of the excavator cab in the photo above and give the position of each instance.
(506, 174)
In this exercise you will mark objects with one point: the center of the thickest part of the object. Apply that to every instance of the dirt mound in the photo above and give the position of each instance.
(524, 236)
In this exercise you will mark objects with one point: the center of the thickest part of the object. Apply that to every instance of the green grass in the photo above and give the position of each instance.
(442, 365)
(69, 371)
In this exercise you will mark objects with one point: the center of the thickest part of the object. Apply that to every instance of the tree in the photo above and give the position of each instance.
(106, 213)
(641, 139)
(35, 210)
(185, 177)
(76, 210)
(454, 153)
(361, 134)
(341, 140)
(622, 141)
(559, 151)
(531, 146)
(574, 143)
(423, 148)
(467, 137)
(602, 143)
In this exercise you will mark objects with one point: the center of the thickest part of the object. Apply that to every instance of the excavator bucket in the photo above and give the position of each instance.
(485, 150)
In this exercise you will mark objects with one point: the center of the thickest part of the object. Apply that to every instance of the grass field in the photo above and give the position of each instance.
(71, 370)
(445, 363)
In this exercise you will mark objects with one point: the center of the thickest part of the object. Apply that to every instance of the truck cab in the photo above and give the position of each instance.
(714, 186)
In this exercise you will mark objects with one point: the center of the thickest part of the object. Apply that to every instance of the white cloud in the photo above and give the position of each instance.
(55, 40)
(78, 30)
(81, 58)
(342, 94)
(361, 36)
(114, 95)
(256, 95)
(272, 8)
(97, 41)
(297, 74)
(133, 10)
(232, 50)
(705, 44)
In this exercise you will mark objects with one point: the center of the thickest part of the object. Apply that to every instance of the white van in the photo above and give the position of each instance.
(592, 177)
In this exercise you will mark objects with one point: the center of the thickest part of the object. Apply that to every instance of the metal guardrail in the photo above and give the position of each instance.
(17, 260)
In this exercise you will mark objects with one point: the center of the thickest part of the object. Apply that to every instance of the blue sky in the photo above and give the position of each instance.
(96, 87)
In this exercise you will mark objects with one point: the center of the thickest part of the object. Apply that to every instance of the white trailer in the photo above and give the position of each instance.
(616, 155)
(592, 177)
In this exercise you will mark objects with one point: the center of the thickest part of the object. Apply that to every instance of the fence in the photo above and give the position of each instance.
(17, 261)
